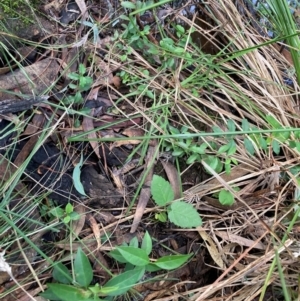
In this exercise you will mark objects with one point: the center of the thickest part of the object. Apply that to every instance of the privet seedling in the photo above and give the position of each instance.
(137, 262)
(180, 213)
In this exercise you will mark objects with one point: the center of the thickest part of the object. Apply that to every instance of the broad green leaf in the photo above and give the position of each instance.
(151, 267)
(128, 4)
(83, 269)
(249, 146)
(276, 147)
(171, 262)
(61, 273)
(198, 149)
(68, 292)
(184, 215)
(135, 256)
(76, 177)
(161, 191)
(123, 282)
(117, 256)
(49, 295)
(73, 76)
(226, 197)
(134, 242)
(67, 219)
(147, 243)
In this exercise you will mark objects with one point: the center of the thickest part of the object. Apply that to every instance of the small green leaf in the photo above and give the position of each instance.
(76, 177)
(273, 122)
(57, 212)
(226, 197)
(135, 256)
(231, 125)
(276, 147)
(161, 191)
(83, 269)
(263, 143)
(249, 146)
(245, 125)
(224, 148)
(161, 216)
(191, 159)
(61, 273)
(134, 242)
(147, 243)
(128, 4)
(184, 215)
(171, 262)
(124, 281)
(81, 69)
(68, 292)
(214, 163)
(67, 219)
(69, 208)
(73, 76)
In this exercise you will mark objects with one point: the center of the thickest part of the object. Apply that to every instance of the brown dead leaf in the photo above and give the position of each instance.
(77, 225)
(173, 178)
(34, 125)
(95, 228)
(88, 126)
(39, 77)
(212, 249)
(240, 240)
(145, 192)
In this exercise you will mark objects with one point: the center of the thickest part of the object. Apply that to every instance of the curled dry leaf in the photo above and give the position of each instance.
(212, 249)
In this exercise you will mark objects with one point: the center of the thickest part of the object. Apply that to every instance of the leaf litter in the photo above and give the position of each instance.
(235, 241)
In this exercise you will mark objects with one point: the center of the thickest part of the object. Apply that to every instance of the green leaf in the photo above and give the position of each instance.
(273, 122)
(232, 148)
(57, 212)
(67, 219)
(49, 295)
(85, 83)
(177, 152)
(69, 208)
(224, 148)
(276, 147)
(161, 216)
(83, 269)
(117, 256)
(226, 197)
(245, 125)
(263, 143)
(73, 76)
(161, 191)
(81, 69)
(128, 4)
(61, 273)
(124, 281)
(184, 215)
(134, 242)
(171, 262)
(134, 256)
(76, 177)
(249, 146)
(191, 159)
(151, 267)
(147, 243)
(231, 125)
(68, 292)
(214, 163)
